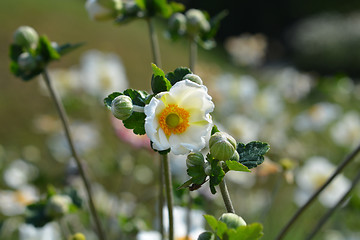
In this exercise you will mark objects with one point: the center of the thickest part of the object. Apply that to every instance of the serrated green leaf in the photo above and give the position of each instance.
(197, 173)
(251, 154)
(159, 83)
(108, 100)
(178, 74)
(249, 232)
(236, 166)
(15, 51)
(46, 51)
(136, 122)
(68, 47)
(138, 97)
(212, 221)
(217, 175)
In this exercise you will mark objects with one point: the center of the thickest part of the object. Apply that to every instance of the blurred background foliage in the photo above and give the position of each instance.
(284, 72)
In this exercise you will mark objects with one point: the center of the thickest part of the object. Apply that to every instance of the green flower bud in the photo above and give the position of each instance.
(103, 9)
(222, 146)
(122, 107)
(177, 23)
(207, 168)
(196, 22)
(235, 157)
(232, 220)
(27, 62)
(58, 205)
(206, 236)
(26, 37)
(193, 77)
(195, 159)
(77, 236)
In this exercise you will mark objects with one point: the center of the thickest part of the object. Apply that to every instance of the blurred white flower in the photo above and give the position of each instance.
(180, 119)
(49, 232)
(346, 132)
(19, 173)
(242, 128)
(103, 9)
(247, 49)
(14, 202)
(317, 117)
(102, 74)
(313, 175)
(268, 103)
(148, 235)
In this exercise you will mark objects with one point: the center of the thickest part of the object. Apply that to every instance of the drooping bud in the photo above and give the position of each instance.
(77, 236)
(177, 23)
(206, 236)
(222, 146)
(26, 37)
(58, 205)
(103, 9)
(122, 107)
(232, 220)
(194, 78)
(195, 159)
(196, 22)
(27, 62)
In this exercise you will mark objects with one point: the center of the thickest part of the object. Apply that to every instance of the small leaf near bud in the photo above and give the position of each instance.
(195, 159)
(235, 157)
(122, 107)
(194, 78)
(58, 205)
(222, 146)
(26, 37)
(232, 220)
(196, 22)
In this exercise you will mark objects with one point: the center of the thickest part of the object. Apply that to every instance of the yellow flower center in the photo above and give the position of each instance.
(174, 120)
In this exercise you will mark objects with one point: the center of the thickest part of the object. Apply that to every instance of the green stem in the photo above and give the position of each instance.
(65, 123)
(161, 199)
(342, 165)
(192, 54)
(168, 189)
(188, 216)
(226, 197)
(154, 43)
(326, 217)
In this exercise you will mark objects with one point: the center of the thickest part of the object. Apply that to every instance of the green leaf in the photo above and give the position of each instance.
(217, 175)
(136, 122)
(185, 184)
(215, 23)
(141, 4)
(222, 229)
(46, 51)
(68, 47)
(15, 51)
(162, 8)
(159, 83)
(214, 130)
(138, 97)
(75, 198)
(108, 100)
(212, 221)
(253, 231)
(197, 173)
(236, 166)
(178, 74)
(251, 154)
(176, 7)
(36, 214)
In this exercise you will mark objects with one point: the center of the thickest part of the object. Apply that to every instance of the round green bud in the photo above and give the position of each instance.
(222, 146)
(57, 206)
(26, 37)
(177, 23)
(232, 220)
(101, 10)
(194, 78)
(235, 157)
(195, 159)
(77, 236)
(122, 107)
(206, 236)
(27, 62)
(196, 22)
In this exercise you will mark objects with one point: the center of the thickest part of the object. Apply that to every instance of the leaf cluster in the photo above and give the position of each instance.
(43, 54)
(222, 231)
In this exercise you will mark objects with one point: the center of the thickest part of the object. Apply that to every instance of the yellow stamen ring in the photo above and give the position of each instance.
(173, 120)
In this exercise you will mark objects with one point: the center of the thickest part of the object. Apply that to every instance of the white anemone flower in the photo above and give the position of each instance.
(180, 119)
(102, 10)
(313, 175)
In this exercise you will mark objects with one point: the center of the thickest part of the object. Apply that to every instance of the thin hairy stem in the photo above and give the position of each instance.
(154, 43)
(226, 197)
(192, 54)
(328, 214)
(338, 170)
(169, 198)
(65, 123)
(161, 199)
